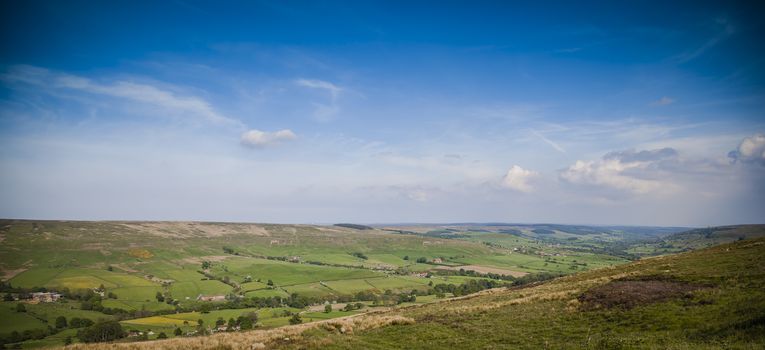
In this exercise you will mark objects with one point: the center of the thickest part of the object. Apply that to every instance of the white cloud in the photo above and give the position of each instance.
(333, 89)
(750, 150)
(664, 101)
(630, 171)
(137, 92)
(257, 138)
(418, 195)
(518, 179)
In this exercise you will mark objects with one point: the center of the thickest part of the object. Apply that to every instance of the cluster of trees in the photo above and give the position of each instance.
(352, 306)
(101, 332)
(244, 322)
(471, 273)
(355, 226)
(466, 288)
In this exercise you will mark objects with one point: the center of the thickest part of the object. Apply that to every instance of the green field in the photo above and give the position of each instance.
(136, 261)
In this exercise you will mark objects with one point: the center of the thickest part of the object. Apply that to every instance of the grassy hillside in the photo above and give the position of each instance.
(707, 299)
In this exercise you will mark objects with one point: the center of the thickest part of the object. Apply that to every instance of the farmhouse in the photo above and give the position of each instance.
(211, 297)
(45, 297)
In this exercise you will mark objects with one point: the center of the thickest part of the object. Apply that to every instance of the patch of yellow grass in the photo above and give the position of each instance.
(155, 320)
(140, 253)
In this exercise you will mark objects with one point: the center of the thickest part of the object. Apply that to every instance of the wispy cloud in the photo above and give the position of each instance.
(726, 29)
(333, 89)
(136, 92)
(323, 112)
(552, 144)
(663, 101)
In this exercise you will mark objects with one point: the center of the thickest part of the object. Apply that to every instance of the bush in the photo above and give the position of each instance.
(61, 322)
(77, 322)
(295, 319)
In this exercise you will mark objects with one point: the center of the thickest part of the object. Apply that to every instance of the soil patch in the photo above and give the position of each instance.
(629, 294)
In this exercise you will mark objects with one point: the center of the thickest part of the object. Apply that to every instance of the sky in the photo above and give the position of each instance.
(608, 113)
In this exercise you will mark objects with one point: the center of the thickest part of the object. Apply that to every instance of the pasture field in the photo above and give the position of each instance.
(40, 315)
(10, 320)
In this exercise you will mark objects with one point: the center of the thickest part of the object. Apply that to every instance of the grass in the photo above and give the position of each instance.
(192, 289)
(77, 255)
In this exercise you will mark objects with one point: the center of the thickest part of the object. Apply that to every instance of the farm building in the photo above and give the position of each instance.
(211, 298)
(45, 297)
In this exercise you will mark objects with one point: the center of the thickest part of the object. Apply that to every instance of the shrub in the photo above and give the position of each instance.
(295, 319)
(61, 322)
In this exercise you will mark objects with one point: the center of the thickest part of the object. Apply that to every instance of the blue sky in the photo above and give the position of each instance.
(318, 112)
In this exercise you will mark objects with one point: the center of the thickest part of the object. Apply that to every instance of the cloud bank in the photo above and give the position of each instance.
(629, 171)
(751, 150)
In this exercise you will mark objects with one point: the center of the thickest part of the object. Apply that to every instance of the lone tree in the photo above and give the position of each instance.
(160, 297)
(162, 335)
(21, 308)
(328, 308)
(177, 332)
